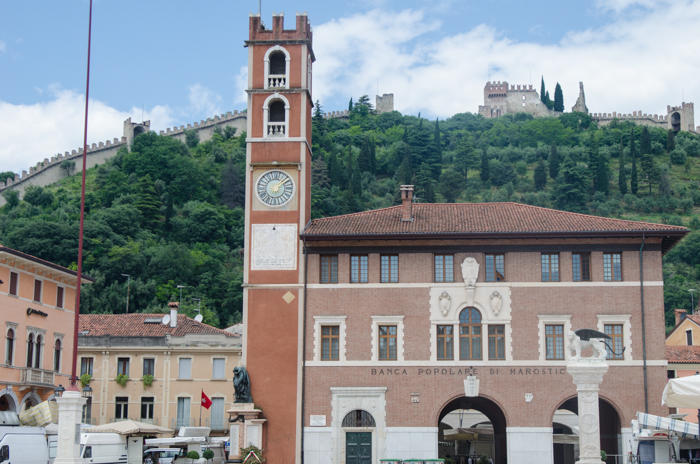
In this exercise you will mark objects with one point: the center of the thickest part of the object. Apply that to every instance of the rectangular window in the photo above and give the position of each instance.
(217, 414)
(123, 366)
(149, 366)
(550, 267)
(387, 342)
(444, 268)
(554, 335)
(59, 297)
(219, 368)
(14, 279)
(147, 409)
(612, 267)
(86, 366)
(358, 269)
(183, 412)
(582, 267)
(37, 290)
(689, 337)
(121, 408)
(329, 269)
(614, 331)
(185, 368)
(497, 342)
(330, 342)
(495, 268)
(390, 268)
(445, 342)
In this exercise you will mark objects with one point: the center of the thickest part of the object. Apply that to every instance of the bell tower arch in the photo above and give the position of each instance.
(278, 199)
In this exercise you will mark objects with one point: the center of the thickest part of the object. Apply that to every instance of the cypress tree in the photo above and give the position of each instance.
(485, 175)
(350, 106)
(373, 155)
(349, 168)
(622, 178)
(558, 99)
(670, 141)
(148, 202)
(601, 182)
(364, 160)
(593, 160)
(436, 165)
(334, 170)
(645, 142)
(405, 174)
(350, 205)
(356, 178)
(553, 161)
(540, 175)
(633, 173)
(542, 92)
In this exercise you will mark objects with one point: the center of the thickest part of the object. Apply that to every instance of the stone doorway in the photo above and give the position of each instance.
(482, 426)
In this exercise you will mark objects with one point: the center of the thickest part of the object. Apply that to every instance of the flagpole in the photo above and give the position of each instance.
(200, 408)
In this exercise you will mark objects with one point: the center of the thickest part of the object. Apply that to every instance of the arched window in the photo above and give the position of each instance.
(277, 68)
(278, 64)
(276, 111)
(37, 352)
(30, 350)
(9, 347)
(359, 418)
(276, 114)
(470, 334)
(57, 356)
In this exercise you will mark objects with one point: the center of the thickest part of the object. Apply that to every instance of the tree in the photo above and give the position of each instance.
(424, 184)
(549, 102)
(670, 141)
(319, 121)
(593, 160)
(436, 158)
(7, 175)
(465, 156)
(602, 176)
(622, 176)
(650, 169)
(356, 178)
(334, 169)
(558, 99)
(543, 92)
(645, 141)
(484, 175)
(553, 161)
(405, 173)
(38, 196)
(540, 175)
(350, 106)
(11, 197)
(373, 155)
(365, 160)
(633, 173)
(232, 191)
(147, 201)
(451, 185)
(67, 165)
(191, 138)
(570, 189)
(319, 174)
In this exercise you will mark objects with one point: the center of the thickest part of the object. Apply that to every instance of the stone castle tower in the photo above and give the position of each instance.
(278, 200)
(580, 105)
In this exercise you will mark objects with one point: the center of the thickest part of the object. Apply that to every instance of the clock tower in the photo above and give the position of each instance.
(278, 199)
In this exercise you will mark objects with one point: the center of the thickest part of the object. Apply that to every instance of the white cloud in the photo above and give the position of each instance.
(626, 65)
(620, 5)
(204, 101)
(3, 46)
(34, 132)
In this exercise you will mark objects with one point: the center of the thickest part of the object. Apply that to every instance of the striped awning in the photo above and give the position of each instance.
(683, 429)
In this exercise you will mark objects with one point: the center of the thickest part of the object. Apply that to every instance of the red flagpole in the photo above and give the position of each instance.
(201, 398)
(74, 377)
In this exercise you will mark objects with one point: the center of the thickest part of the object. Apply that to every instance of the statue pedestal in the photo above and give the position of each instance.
(70, 409)
(245, 427)
(588, 374)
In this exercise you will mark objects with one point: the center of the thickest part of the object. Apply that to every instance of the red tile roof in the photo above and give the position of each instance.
(483, 220)
(683, 354)
(134, 325)
(43, 262)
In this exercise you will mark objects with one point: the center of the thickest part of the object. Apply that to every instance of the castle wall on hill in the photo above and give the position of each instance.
(677, 118)
(50, 171)
(501, 99)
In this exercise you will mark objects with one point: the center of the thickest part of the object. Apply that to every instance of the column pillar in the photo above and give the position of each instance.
(588, 374)
(70, 408)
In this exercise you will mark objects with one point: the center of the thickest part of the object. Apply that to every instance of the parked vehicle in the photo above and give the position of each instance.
(23, 445)
(103, 448)
(161, 455)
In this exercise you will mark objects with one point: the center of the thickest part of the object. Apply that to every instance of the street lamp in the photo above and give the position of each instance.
(692, 303)
(199, 304)
(58, 391)
(87, 392)
(181, 287)
(128, 280)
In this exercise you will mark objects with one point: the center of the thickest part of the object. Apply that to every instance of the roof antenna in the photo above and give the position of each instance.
(260, 8)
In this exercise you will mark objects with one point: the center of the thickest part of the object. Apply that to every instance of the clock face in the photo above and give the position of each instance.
(275, 188)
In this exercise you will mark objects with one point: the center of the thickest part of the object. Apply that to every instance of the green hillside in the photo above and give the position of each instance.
(169, 213)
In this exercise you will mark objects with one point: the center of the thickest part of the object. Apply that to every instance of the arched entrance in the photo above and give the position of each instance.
(565, 427)
(358, 426)
(676, 121)
(470, 427)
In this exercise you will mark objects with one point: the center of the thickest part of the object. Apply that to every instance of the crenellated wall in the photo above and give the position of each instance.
(501, 98)
(677, 118)
(49, 171)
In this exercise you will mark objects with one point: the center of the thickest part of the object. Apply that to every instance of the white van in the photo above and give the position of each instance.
(161, 455)
(23, 445)
(102, 448)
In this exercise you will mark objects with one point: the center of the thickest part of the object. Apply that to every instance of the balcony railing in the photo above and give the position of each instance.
(277, 81)
(276, 129)
(34, 376)
(177, 423)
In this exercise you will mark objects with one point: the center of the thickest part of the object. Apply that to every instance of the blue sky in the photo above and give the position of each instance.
(176, 62)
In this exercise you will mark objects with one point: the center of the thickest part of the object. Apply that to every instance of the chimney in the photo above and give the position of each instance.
(173, 313)
(407, 203)
(680, 315)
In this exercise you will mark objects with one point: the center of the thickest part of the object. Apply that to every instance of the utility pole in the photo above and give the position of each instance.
(692, 303)
(181, 287)
(128, 281)
(199, 304)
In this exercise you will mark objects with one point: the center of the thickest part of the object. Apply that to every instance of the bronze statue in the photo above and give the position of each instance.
(241, 385)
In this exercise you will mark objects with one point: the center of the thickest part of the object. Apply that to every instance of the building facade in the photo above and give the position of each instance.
(37, 300)
(501, 99)
(183, 357)
(683, 352)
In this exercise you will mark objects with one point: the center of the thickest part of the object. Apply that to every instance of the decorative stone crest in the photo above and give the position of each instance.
(529, 397)
(470, 272)
(496, 303)
(445, 303)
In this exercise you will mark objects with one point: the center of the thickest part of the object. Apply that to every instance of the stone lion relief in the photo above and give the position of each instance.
(496, 303)
(470, 271)
(445, 303)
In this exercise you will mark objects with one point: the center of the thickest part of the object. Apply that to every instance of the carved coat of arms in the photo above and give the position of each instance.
(445, 303)
(496, 303)
(470, 271)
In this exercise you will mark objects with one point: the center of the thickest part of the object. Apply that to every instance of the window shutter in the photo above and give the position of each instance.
(219, 369)
(185, 368)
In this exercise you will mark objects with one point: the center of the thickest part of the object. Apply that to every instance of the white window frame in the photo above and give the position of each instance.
(553, 319)
(116, 363)
(266, 115)
(179, 367)
(288, 59)
(10, 325)
(387, 320)
(57, 336)
(624, 320)
(41, 291)
(37, 332)
(80, 365)
(320, 321)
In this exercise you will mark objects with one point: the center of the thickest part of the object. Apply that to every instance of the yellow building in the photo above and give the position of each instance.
(37, 301)
(183, 356)
(683, 352)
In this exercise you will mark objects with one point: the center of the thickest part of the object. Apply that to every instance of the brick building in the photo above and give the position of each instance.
(364, 332)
